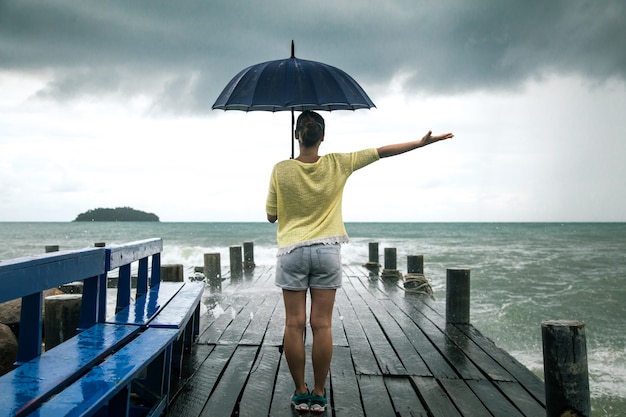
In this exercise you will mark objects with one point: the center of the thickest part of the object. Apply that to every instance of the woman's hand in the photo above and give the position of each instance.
(429, 138)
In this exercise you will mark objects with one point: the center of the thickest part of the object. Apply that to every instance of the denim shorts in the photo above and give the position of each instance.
(315, 266)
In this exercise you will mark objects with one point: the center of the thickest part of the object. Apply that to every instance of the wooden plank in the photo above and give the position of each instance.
(281, 401)
(257, 396)
(523, 375)
(453, 354)
(434, 360)
(339, 335)
(409, 356)
(404, 398)
(478, 356)
(435, 398)
(180, 309)
(195, 395)
(386, 357)
(365, 362)
(214, 331)
(376, 401)
(467, 402)
(497, 404)
(242, 319)
(276, 328)
(146, 307)
(118, 255)
(259, 321)
(346, 395)
(522, 399)
(191, 364)
(223, 399)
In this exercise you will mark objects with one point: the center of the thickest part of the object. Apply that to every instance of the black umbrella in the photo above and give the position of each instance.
(292, 84)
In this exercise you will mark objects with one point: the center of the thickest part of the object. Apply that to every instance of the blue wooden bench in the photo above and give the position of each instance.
(173, 305)
(104, 361)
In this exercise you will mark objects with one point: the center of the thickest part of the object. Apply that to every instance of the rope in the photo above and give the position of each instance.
(418, 284)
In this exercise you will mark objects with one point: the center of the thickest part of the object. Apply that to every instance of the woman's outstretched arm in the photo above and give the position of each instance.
(398, 148)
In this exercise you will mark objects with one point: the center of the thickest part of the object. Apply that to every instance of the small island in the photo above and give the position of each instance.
(118, 214)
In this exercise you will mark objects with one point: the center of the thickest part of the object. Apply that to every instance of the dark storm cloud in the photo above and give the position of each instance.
(182, 53)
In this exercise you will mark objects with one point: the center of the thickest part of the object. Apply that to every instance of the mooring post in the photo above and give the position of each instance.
(236, 263)
(372, 263)
(61, 318)
(566, 374)
(391, 270)
(172, 273)
(248, 255)
(415, 281)
(51, 248)
(458, 296)
(213, 270)
(415, 264)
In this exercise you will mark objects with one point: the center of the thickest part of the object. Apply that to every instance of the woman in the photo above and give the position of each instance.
(305, 197)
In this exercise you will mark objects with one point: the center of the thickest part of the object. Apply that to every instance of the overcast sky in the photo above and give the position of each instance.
(108, 104)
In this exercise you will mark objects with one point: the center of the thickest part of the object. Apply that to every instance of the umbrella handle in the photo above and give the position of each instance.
(293, 138)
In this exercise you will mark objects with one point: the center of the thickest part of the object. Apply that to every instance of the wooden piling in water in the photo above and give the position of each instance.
(415, 281)
(391, 265)
(248, 256)
(213, 270)
(372, 263)
(172, 273)
(51, 248)
(61, 318)
(458, 296)
(236, 263)
(566, 375)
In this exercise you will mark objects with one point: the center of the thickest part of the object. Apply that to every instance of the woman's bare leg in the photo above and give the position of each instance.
(322, 303)
(295, 321)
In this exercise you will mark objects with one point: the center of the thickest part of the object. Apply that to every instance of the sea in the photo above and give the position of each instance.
(521, 274)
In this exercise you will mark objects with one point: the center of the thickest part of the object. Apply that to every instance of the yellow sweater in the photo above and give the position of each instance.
(307, 197)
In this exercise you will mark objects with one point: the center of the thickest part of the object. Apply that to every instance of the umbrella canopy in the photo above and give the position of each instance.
(292, 84)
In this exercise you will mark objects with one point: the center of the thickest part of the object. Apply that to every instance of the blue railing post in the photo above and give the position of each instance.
(90, 303)
(155, 277)
(29, 343)
(142, 278)
(123, 288)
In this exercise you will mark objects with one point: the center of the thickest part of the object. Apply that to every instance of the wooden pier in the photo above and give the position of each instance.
(394, 355)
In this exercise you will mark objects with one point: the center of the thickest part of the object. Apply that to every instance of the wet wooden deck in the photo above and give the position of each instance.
(393, 355)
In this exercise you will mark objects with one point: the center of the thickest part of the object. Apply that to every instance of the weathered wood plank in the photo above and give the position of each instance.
(434, 360)
(344, 383)
(388, 361)
(524, 401)
(195, 394)
(435, 398)
(260, 320)
(224, 398)
(376, 401)
(257, 396)
(404, 398)
(494, 400)
(362, 355)
(281, 403)
(462, 395)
